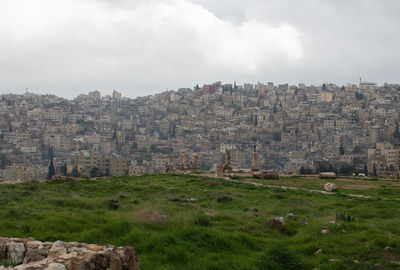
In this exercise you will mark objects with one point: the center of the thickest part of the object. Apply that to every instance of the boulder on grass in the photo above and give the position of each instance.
(276, 223)
(327, 175)
(330, 187)
(266, 175)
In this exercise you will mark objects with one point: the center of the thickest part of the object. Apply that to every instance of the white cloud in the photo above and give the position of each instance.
(244, 47)
(89, 44)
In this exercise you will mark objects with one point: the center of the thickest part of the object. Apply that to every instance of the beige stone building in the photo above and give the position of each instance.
(23, 173)
(326, 97)
(384, 157)
(85, 162)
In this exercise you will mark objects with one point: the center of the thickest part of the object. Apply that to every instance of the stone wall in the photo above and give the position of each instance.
(28, 254)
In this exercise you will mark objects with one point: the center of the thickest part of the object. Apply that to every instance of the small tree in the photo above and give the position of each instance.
(63, 169)
(75, 172)
(94, 172)
(392, 168)
(52, 171)
(341, 149)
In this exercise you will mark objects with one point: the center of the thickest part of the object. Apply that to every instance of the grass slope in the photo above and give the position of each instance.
(189, 222)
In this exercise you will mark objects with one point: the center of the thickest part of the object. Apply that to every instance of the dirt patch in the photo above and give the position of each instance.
(153, 216)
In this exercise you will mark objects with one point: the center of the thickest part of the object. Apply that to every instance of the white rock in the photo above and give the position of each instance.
(56, 266)
(59, 244)
(333, 222)
(33, 244)
(69, 256)
(30, 266)
(56, 251)
(291, 216)
(15, 252)
(324, 231)
(330, 187)
(276, 222)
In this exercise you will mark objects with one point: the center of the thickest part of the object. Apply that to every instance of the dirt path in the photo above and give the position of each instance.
(306, 190)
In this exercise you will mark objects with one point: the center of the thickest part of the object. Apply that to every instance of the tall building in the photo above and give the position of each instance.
(116, 95)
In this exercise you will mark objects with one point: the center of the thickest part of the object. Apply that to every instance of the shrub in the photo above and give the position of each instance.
(4, 262)
(203, 220)
(224, 199)
(27, 229)
(340, 216)
(112, 204)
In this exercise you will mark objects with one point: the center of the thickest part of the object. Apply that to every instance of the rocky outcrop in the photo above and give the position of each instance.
(28, 254)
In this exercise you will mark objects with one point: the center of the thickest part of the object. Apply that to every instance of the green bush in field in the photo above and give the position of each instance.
(112, 204)
(224, 199)
(340, 216)
(203, 220)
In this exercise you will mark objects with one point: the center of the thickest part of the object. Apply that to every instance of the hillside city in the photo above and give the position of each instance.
(294, 129)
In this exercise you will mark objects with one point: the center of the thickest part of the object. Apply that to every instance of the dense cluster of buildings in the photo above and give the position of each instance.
(351, 128)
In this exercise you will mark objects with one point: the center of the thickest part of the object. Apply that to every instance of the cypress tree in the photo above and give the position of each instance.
(63, 169)
(52, 171)
(75, 172)
(341, 149)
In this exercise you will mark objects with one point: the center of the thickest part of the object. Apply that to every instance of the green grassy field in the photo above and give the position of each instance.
(194, 222)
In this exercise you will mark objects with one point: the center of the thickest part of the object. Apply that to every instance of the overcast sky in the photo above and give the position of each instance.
(141, 47)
